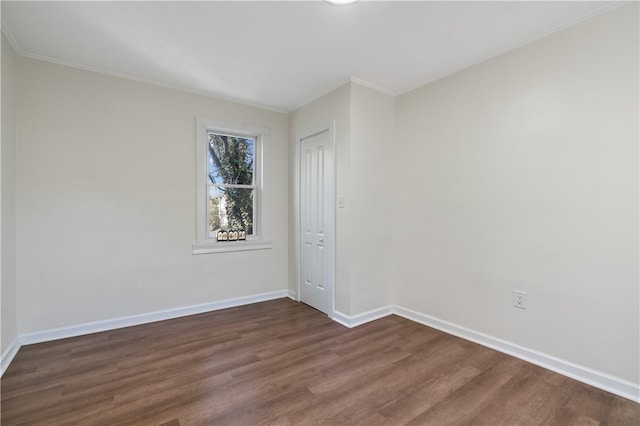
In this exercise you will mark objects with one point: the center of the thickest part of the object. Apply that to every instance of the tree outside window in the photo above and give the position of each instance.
(231, 183)
(230, 170)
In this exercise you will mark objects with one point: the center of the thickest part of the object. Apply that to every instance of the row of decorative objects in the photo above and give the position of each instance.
(231, 235)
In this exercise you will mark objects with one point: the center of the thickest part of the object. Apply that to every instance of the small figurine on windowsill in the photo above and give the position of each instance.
(231, 235)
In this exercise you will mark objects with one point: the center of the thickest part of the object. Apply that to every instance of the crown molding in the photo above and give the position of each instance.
(207, 94)
(10, 38)
(373, 86)
(540, 36)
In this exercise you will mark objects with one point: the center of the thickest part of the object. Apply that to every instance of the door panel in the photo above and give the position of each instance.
(315, 265)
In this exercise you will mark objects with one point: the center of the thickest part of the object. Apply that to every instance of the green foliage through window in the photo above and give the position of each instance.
(231, 183)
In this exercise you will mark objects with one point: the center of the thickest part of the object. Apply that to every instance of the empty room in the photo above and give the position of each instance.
(320, 212)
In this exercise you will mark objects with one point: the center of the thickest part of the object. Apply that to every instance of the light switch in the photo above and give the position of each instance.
(340, 202)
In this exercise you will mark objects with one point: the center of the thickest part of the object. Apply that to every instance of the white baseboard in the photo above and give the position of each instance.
(364, 317)
(586, 375)
(292, 295)
(112, 324)
(604, 381)
(598, 379)
(8, 355)
(341, 319)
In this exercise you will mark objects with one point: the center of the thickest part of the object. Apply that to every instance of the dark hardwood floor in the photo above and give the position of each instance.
(281, 362)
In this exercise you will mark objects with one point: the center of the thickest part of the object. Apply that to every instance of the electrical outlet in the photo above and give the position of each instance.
(519, 300)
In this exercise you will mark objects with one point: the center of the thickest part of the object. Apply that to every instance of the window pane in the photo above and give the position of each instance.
(230, 159)
(230, 209)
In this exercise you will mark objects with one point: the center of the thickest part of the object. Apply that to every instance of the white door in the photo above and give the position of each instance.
(316, 220)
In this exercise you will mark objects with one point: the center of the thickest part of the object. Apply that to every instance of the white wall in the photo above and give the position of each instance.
(106, 200)
(8, 198)
(522, 173)
(518, 173)
(371, 202)
(365, 127)
(324, 110)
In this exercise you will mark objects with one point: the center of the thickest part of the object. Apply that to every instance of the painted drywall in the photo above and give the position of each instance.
(365, 128)
(105, 199)
(522, 173)
(371, 203)
(333, 107)
(501, 181)
(8, 198)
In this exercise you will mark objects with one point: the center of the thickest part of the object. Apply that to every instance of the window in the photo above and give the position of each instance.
(231, 184)
(230, 170)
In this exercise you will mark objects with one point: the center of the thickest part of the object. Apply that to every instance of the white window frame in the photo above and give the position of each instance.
(205, 243)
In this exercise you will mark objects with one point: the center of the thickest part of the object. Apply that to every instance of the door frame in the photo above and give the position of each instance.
(330, 210)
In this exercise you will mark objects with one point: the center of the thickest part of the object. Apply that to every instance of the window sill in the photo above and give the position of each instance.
(221, 247)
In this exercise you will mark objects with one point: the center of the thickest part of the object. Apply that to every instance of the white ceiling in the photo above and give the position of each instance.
(281, 55)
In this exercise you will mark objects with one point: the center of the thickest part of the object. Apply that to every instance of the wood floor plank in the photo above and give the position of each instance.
(414, 401)
(466, 401)
(284, 363)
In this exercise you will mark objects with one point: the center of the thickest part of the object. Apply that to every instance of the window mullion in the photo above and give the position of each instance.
(229, 152)
(226, 185)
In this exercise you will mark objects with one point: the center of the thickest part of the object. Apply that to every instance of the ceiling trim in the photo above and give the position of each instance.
(373, 86)
(10, 38)
(591, 14)
(610, 5)
(331, 88)
(341, 83)
(98, 70)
